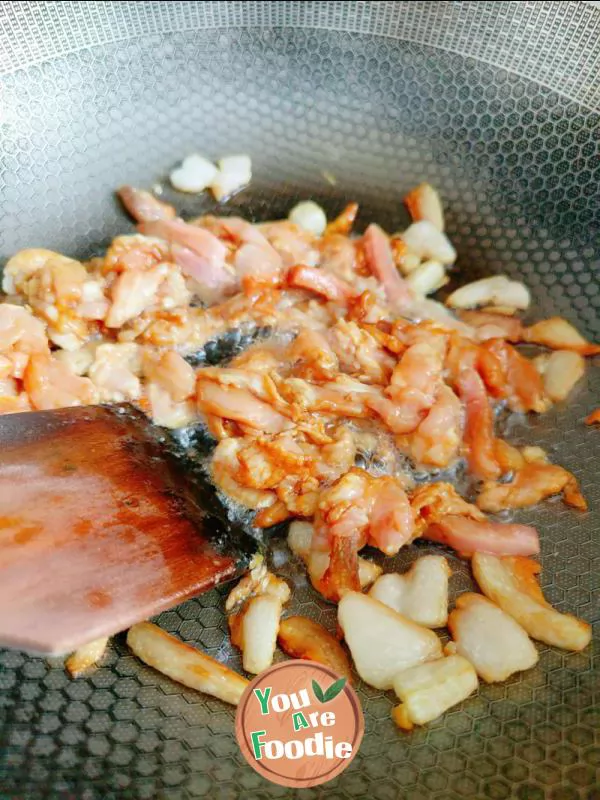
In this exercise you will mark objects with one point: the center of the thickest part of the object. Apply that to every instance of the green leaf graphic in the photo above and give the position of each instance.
(333, 691)
(318, 692)
(335, 688)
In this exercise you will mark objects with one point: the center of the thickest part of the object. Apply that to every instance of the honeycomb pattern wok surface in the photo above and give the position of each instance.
(335, 101)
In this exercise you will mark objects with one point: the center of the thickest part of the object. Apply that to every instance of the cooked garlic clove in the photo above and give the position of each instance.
(309, 216)
(195, 174)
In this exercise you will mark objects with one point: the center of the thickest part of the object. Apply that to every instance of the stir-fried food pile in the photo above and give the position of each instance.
(352, 416)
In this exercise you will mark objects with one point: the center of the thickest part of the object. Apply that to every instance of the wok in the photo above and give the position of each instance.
(498, 106)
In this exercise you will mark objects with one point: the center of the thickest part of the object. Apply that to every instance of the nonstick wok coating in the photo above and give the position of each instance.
(497, 105)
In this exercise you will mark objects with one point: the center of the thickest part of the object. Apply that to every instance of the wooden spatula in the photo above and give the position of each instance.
(100, 528)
